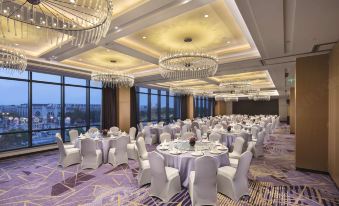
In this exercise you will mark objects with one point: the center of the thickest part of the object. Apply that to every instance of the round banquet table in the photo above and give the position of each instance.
(185, 162)
(158, 130)
(227, 138)
(102, 143)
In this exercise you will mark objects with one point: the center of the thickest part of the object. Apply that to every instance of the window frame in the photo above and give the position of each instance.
(29, 80)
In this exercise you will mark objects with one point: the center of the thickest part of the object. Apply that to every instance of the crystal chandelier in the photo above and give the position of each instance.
(226, 97)
(81, 21)
(12, 60)
(260, 97)
(231, 99)
(180, 90)
(113, 79)
(187, 64)
(234, 85)
(203, 93)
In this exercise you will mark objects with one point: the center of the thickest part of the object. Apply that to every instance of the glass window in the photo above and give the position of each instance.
(144, 90)
(75, 81)
(75, 106)
(143, 107)
(13, 106)
(44, 137)
(95, 106)
(46, 77)
(163, 92)
(171, 108)
(163, 108)
(17, 75)
(13, 141)
(96, 84)
(46, 106)
(154, 107)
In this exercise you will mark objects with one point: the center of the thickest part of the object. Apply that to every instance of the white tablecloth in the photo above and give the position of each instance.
(185, 162)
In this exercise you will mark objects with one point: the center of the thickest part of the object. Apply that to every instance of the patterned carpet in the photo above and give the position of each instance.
(36, 180)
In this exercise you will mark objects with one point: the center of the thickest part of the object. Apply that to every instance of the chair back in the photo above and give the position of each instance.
(238, 145)
(205, 181)
(214, 137)
(141, 126)
(184, 129)
(147, 132)
(187, 135)
(167, 129)
(254, 131)
(142, 148)
(93, 130)
(132, 132)
(165, 136)
(120, 145)
(237, 127)
(114, 129)
(60, 144)
(198, 133)
(73, 135)
(243, 166)
(158, 172)
(195, 125)
(218, 126)
(88, 147)
(204, 129)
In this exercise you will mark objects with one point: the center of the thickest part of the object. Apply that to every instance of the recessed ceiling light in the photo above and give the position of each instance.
(72, 1)
(116, 27)
(38, 27)
(80, 59)
(144, 37)
(16, 44)
(108, 50)
(206, 15)
(228, 42)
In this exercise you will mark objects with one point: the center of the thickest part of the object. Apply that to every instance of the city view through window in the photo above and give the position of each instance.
(35, 106)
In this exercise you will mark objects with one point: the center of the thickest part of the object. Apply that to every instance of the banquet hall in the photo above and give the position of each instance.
(169, 102)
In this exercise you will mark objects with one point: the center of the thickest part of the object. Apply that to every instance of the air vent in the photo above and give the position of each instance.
(323, 47)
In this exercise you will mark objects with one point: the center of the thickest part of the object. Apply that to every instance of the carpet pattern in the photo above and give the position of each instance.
(37, 180)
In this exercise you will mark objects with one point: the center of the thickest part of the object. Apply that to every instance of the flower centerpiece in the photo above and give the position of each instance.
(192, 141)
(229, 128)
(104, 132)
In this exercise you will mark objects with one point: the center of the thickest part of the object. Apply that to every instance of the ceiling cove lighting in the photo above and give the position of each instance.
(12, 60)
(78, 21)
(260, 97)
(180, 65)
(113, 79)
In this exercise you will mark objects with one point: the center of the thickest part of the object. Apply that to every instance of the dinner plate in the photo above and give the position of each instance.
(174, 152)
(215, 152)
(222, 148)
(163, 148)
(197, 153)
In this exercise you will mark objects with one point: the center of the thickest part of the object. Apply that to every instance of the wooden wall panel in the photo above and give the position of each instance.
(124, 108)
(333, 138)
(312, 112)
(292, 110)
(251, 107)
(190, 107)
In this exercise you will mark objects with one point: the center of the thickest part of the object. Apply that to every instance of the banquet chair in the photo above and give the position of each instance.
(234, 162)
(167, 129)
(161, 123)
(237, 149)
(66, 146)
(117, 153)
(149, 123)
(141, 126)
(142, 148)
(184, 129)
(144, 173)
(233, 182)
(254, 132)
(114, 129)
(131, 146)
(69, 156)
(165, 136)
(258, 149)
(198, 133)
(73, 136)
(237, 127)
(149, 137)
(187, 135)
(91, 157)
(165, 181)
(203, 182)
(214, 137)
(218, 126)
(93, 130)
(194, 126)
(204, 130)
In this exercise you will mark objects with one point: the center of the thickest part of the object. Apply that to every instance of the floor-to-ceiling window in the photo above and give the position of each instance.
(156, 105)
(35, 106)
(203, 106)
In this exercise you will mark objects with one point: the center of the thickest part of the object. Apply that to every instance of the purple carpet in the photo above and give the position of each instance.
(37, 180)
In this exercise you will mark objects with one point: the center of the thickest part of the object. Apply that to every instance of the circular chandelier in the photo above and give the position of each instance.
(260, 97)
(235, 85)
(12, 60)
(80, 21)
(180, 90)
(226, 97)
(188, 64)
(203, 93)
(231, 99)
(113, 79)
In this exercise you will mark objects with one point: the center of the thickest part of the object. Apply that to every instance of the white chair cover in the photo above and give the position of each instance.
(93, 130)
(214, 137)
(218, 126)
(91, 157)
(184, 129)
(233, 182)
(198, 133)
(165, 181)
(132, 132)
(203, 182)
(238, 147)
(142, 148)
(67, 157)
(149, 137)
(73, 135)
(165, 136)
(117, 154)
(114, 129)
(187, 135)
(131, 146)
(144, 173)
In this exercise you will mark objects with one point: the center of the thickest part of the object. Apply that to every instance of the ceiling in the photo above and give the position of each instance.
(255, 40)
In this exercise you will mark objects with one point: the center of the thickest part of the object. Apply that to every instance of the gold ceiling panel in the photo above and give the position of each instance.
(104, 59)
(33, 41)
(211, 27)
(122, 6)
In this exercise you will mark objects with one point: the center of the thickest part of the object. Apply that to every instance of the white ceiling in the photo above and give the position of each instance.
(282, 30)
